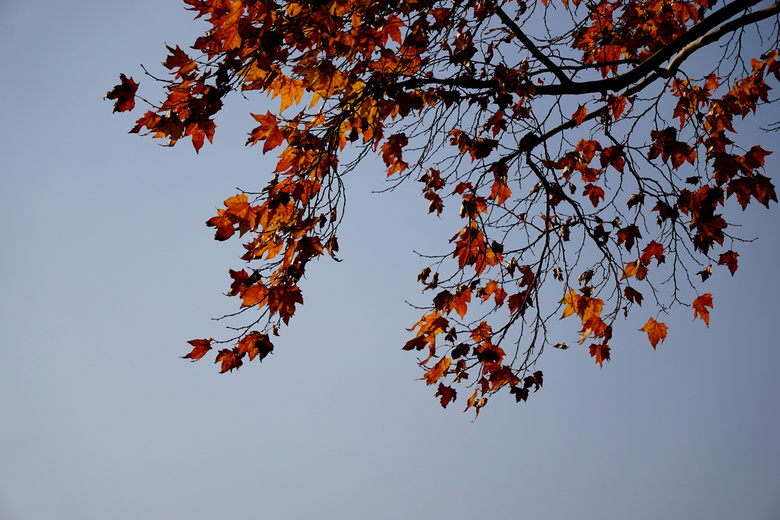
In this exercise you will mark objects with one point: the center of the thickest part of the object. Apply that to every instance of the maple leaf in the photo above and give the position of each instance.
(447, 394)
(482, 332)
(178, 59)
(729, 259)
(477, 404)
(254, 294)
(500, 192)
(392, 28)
(290, 90)
(229, 360)
(571, 303)
(392, 153)
(595, 193)
(656, 331)
(579, 115)
(653, 249)
(633, 295)
(600, 352)
(627, 236)
(521, 394)
(438, 371)
(200, 347)
(700, 305)
(124, 94)
(460, 302)
(492, 289)
(282, 300)
(613, 156)
(635, 268)
(268, 131)
(755, 157)
(200, 131)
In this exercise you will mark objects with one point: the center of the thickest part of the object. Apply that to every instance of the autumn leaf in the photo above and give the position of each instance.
(594, 193)
(579, 115)
(438, 371)
(729, 259)
(600, 352)
(633, 295)
(447, 394)
(124, 94)
(392, 28)
(200, 347)
(613, 156)
(570, 302)
(635, 268)
(290, 90)
(653, 249)
(500, 192)
(656, 331)
(627, 235)
(178, 59)
(700, 305)
(475, 403)
(282, 301)
(268, 131)
(229, 360)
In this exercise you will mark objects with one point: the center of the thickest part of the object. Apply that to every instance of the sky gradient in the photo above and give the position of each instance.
(108, 269)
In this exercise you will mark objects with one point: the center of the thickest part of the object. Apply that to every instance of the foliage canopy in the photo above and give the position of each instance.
(592, 162)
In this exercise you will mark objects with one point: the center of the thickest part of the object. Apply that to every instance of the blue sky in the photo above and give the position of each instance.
(107, 271)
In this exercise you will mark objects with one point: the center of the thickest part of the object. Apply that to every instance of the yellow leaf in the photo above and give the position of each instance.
(571, 299)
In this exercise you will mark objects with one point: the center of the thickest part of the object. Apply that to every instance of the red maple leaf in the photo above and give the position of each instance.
(700, 305)
(200, 347)
(447, 394)
(729, 259)
(124, 94)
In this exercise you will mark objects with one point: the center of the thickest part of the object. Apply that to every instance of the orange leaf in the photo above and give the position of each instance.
(571, 301)
(460, 302)
(229, 360)
(201, 346)
(594, 193)
(600, 352)
(635, 268)
(438, 371)
(580, 114)
(291, 91)
(500, 192)
(268, 131)
(700, 305)
(282, 300)
(481, 333)
(655, 331)
(255, 345)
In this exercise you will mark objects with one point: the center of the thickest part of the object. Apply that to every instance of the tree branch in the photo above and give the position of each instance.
(701, 34)
(532, 48)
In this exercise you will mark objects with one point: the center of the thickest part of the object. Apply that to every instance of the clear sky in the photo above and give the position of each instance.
(107, 271)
